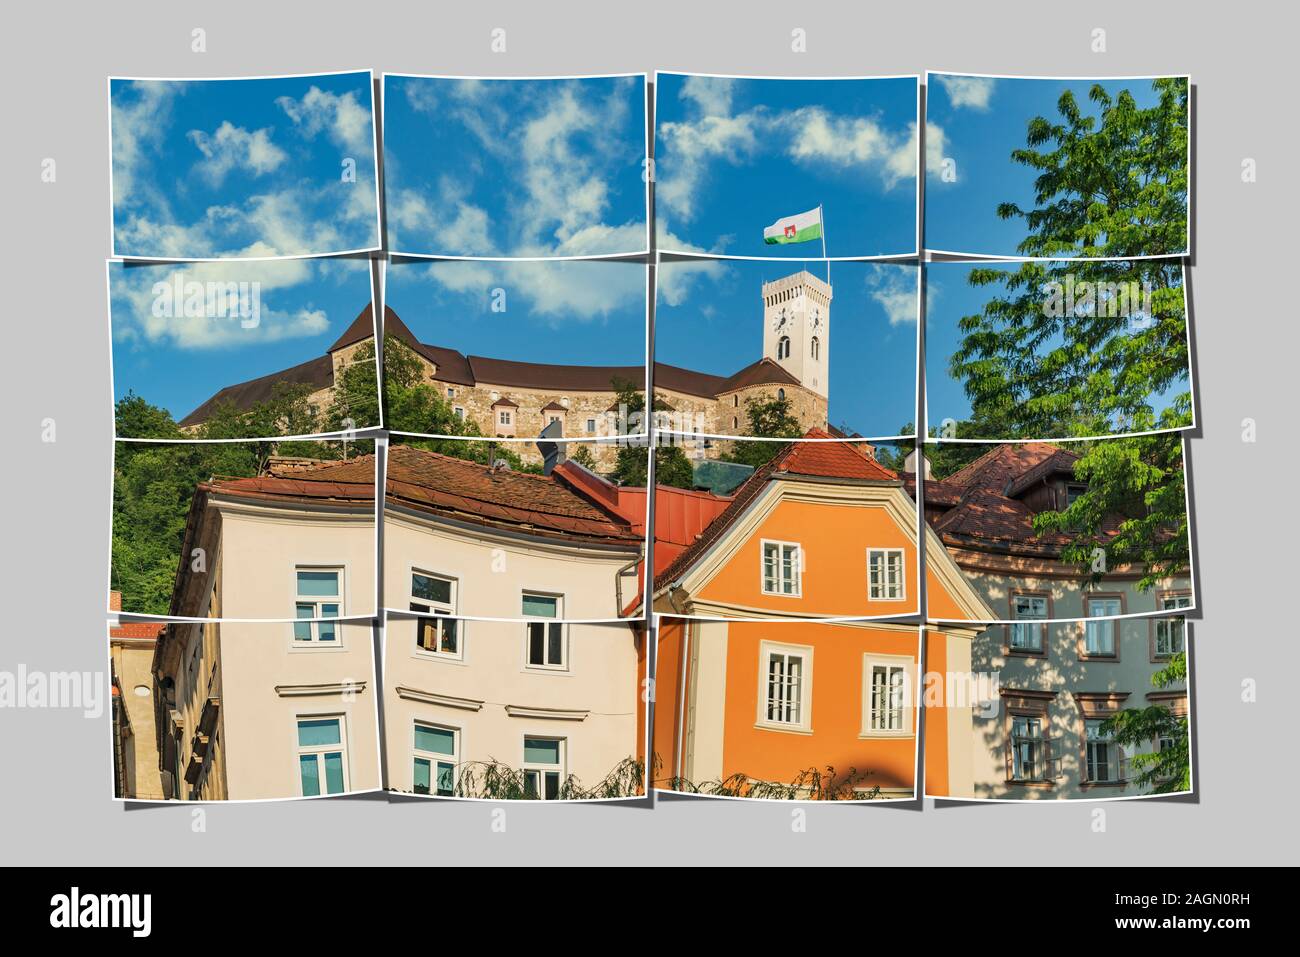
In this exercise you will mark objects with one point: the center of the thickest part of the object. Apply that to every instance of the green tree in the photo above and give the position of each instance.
(1041, 362)
(1167, 769)
(631, 465)
(138, 419)
(1111, 185)
(767, 418)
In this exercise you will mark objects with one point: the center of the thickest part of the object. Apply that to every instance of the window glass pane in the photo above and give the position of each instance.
(449, 645)
(555, 644)
(446, 779)
(552, 785)
(318, 583)
(541, 606)
(435, 740)
(421, 776)
(305, 609)
(302, 631)
(334, 772)
(541, 751)
(317, 731)
(431, 589)
(536, 644)
(325, 630)
(310, 773)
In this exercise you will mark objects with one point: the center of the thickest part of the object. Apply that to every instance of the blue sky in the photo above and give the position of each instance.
(733, 156)
(872, 342)
(178, 362)
(576, 313)
(243, 168)
(949, 297)
(982, 120)
(515, 168)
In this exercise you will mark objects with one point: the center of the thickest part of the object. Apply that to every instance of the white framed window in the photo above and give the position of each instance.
(783, 348)
(1105, 758)
(1027, 633)
(886, 695)
(543, 767)
(451, 392)
(319, 595)
(782, 569)
(322, 755)
(544, 634)
(591, 425)
(503, 417)
(437, 631)
(815, 348)
(885, 580)
(785, 686)
(459, 412)
(436, 759)
(1171, 633)
(1030, 749)
(1099, 636)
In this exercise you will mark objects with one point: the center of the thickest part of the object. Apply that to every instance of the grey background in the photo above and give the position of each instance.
(55, 765)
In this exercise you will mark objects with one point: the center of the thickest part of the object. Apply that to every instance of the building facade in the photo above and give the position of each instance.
(512, 399)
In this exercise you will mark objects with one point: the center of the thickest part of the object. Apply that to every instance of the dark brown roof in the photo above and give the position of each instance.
(362, 328)
(554, 406)
(317, 373)
(516, 501)
(763, 372)
(457, 369)
(813, 459)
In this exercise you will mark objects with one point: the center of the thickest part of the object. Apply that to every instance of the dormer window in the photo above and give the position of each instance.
(1074, 490)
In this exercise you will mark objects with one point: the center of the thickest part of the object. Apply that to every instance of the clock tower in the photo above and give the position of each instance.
(796, 328)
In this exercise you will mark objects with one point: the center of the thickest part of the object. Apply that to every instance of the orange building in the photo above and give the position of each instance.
(754, 695)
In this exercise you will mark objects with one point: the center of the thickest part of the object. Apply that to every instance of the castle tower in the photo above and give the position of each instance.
(796, 328)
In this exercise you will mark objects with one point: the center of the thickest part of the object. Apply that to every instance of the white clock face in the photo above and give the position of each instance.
(780, 320)
(816, 320)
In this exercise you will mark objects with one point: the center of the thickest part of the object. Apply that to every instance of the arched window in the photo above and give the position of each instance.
(815, 347)
(783, 348)
(735, 422)
(735, 401)
(780, 394)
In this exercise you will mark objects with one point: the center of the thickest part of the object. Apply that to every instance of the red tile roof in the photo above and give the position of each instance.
(518, 501)
(350, 482)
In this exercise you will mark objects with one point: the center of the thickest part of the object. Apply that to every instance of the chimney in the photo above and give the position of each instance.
(909, 464)
(552, 451)
(115, 601)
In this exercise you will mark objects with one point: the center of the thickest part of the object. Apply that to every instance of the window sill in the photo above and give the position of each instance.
(1023, 653)
(885, 735)
(784, 728)
(1103, 784)
(1031, 784)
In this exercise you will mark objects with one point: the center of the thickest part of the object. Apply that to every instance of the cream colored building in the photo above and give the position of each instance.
(1038, 735)
(450, 710)
(249, 710)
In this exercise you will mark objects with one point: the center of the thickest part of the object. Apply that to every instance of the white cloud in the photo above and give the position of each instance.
(344, 119)
(137, 127)
(678, 281)
(562, 292)
(901, 163)
(134, 295)
(809, 135)
(894, 290)
(233, 147)
(712, 94)
(970, 91)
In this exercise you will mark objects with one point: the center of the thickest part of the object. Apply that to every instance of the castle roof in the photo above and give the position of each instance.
(456, 368)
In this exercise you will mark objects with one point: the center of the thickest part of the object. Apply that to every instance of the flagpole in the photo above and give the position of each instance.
(821, 214)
